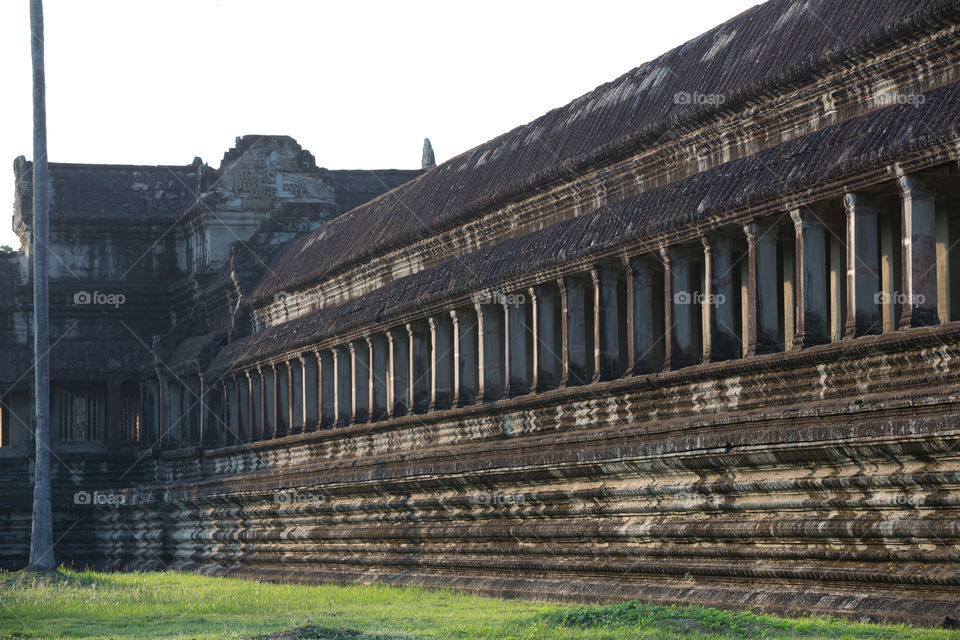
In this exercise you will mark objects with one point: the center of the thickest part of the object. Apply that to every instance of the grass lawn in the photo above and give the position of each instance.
(178, 605)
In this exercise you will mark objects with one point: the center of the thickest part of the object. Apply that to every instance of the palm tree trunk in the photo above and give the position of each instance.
(41, 539)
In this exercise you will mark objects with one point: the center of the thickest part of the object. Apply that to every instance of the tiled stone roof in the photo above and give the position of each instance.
(778, 43)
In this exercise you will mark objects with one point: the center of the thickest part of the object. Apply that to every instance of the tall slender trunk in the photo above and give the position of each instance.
(41, 539)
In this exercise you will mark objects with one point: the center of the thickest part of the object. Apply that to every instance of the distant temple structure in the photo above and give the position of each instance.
(693, 338)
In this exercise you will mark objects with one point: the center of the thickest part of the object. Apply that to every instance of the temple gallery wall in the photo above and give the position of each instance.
(693, 337)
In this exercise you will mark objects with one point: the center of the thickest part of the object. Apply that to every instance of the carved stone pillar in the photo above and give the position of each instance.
(810, 278)
(518, 348)
(640, 306)
(441, 368)
(327, 389)
(269, 402)
(258, 396)
(720, 335)
(231, 404)
(863, 268)
(606, 323)
(243, 406)
(282, 372)
(546, 360)
(919, 263)
(761, 287)
(680, 305)
(464, 323)
(207, 419)
(573, 330)
(419, 336)
(310, 366)
(343, 395)
(296, 395)
(838, 286)
(163, 410)
(379, 374)
(175, 417)
(943, 241)
(360, 391)
(399, 387)
(491, 364)
(890, 272)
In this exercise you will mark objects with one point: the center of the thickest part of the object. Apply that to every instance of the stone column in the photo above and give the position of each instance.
(890, 273)
(194, 409)
(399, 387)
(258, 397)
(419, 335)
(232, 409)
(943, 260)
(517, 347)
(546, 360)
(761, 287)
(464, 357)
(863, 274)
(176, 429)
(327, 389)
(243, 406)
(919, 263)
(360, 392)
(441, 368)
(343, 397)
(190, 396)
(491, 365)
(269, 402)
(310, 391)
(573, 331)
(606, 323)
(720, 336)
(163, 410)
(296, 395)
(679, 303)
(789, 299)
(183, 396)
(838, 288)
(640, 306)
(379, 375)
(282, 386)
(810, 251)
(205, 396)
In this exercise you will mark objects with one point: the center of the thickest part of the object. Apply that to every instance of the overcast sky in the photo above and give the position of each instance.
(359, 84)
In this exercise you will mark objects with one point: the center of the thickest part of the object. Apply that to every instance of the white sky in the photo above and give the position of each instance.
(359, 84)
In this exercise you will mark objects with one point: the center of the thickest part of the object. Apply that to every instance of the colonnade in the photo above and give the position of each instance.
(811, 275)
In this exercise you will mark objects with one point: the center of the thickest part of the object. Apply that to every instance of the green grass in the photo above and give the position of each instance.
(177, 605)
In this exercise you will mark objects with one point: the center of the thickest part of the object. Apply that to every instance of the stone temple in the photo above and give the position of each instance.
(693, 337)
